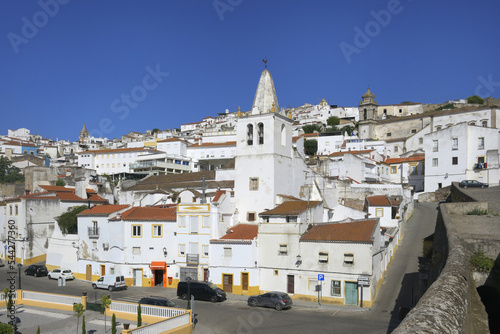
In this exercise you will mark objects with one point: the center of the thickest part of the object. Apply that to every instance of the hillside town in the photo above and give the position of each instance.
(252, 200)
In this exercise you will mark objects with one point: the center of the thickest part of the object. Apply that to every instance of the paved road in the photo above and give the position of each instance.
(234, 316)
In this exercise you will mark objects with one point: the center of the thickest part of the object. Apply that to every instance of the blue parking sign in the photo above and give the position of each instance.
(321, 277)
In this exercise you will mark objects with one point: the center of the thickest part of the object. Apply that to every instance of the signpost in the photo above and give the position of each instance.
(362, 282)
(321, 278)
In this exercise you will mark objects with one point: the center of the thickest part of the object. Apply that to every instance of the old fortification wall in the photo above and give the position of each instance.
(451, 304)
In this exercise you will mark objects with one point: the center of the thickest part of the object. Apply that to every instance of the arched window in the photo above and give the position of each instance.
(364, 113)
(250, 134)
(260, 132)
(283, 135)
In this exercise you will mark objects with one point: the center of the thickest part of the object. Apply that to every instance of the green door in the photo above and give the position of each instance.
(351, 293)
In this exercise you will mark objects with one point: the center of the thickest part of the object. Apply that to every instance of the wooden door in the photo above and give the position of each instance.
(103, 270)
(88, 272)
(227, 282)
(244, 281)
(290, 284)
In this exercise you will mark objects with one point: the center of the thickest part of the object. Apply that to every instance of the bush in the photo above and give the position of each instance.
(477, 212)
(68, 222)
(481, 262)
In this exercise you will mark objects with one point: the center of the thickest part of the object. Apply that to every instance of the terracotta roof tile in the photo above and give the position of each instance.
(401, 160)
(290, 208)
(150, 213)
(242, 232)
(103, 209)
(218, 195)
(378, 200)
(356, 231)
(351, 152)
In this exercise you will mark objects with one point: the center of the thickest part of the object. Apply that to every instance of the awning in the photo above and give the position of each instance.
(158, 265)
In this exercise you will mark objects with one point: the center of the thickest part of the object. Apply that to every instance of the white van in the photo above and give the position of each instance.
(110, 282)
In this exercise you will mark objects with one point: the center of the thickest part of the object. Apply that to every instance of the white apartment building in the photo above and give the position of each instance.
(111, 161)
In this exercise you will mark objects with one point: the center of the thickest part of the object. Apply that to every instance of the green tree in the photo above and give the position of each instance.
(139, 317)
(347, 128)
(60, 183)
(311, 128)
(6, 329)
(68, 222)
(446, 106)
(84, 330)
(78, 310)
(113, 324)
(311, 147)
(9, 173)
(106, 302)
(38, 330)
(475, 99)
(155, 130)
(331, 129)
(333, 121)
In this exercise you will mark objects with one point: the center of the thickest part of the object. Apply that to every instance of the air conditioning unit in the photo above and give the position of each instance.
(105, 245)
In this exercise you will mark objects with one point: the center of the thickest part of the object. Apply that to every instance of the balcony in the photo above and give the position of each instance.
(483, 165)
(93, 232)
(192, 258)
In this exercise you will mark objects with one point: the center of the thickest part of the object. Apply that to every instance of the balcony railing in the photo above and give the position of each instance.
(93, 232)
(192, 258)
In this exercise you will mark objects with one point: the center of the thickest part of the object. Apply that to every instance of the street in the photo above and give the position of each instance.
(399, 289)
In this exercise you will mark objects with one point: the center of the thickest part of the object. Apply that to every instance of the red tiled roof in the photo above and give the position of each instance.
(242, 232)
(218, 195)
(357, 231)
(58, 188)
(150, 213)
(103, 209)
(290, 208)
(350, 152)
(381, 200)
(401, 160)
(228, 143)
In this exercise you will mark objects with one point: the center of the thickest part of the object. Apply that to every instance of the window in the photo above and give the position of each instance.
(251, 216)
(335, 288)
(17, 209)
(182, 221)
(291, 219)
(283, 135)
(413, 130)
(400, 111)
(481, 143)
(435, 146)
(396, 148)
(435, 162)
(136, 231)
(454, 143)
(182, 249)
(156, 230)
(389, 134)
(438, 127)
(480, 160)
(379, 212)
(472, 123)
(193, 224)
(484, 124)
(136, 250)
(260, 132)
(283, 249)
(94, 245)
(348, 259)
(205, 250)
(254, 183)
(250, 134)
(454, 160)
(413, 170)
(323, 257)
(276, 272)
(394, 169)
(228, 252)
(206, 221)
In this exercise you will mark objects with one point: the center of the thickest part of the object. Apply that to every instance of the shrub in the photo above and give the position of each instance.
(477, 212)
(481, 262)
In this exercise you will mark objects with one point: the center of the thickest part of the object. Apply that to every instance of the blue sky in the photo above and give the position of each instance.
(121, 66)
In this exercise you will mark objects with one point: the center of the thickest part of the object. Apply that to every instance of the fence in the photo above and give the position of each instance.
(180, 321)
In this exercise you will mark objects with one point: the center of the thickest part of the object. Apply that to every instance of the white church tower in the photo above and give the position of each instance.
(264, 163)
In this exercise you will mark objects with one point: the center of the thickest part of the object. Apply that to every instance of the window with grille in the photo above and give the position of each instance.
(435, 146)
(254, 183)
(335, 288)
(454, 144)
(454, 160)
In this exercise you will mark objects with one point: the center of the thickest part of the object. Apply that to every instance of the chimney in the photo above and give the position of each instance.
(80, 190)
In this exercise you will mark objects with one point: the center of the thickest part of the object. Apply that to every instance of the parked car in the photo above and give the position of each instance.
(36, 270)
(274, 299)
(110, 282)
(157, 301)
(472, 183)
(64, 273)
(201, 290)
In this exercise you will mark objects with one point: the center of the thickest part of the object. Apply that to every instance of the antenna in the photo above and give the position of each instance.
(265, 62)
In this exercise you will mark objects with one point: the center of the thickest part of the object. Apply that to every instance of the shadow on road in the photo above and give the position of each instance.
(407, 298)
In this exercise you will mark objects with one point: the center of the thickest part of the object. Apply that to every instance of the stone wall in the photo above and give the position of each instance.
(451, 304)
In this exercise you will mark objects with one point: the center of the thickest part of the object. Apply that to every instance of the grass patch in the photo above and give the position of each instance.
(481, 262)
(477, 212)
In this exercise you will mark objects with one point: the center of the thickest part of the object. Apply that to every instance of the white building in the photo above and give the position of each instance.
(111, 161)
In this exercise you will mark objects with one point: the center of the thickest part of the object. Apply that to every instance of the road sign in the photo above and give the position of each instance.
(364, 280)
(321, 277)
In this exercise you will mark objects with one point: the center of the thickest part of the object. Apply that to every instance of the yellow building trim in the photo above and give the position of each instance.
(132, 231)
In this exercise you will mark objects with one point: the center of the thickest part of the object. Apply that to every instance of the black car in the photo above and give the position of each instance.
(157, 301)
(201, 290)
(36, 270)
(274, 299)
(472, 183)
